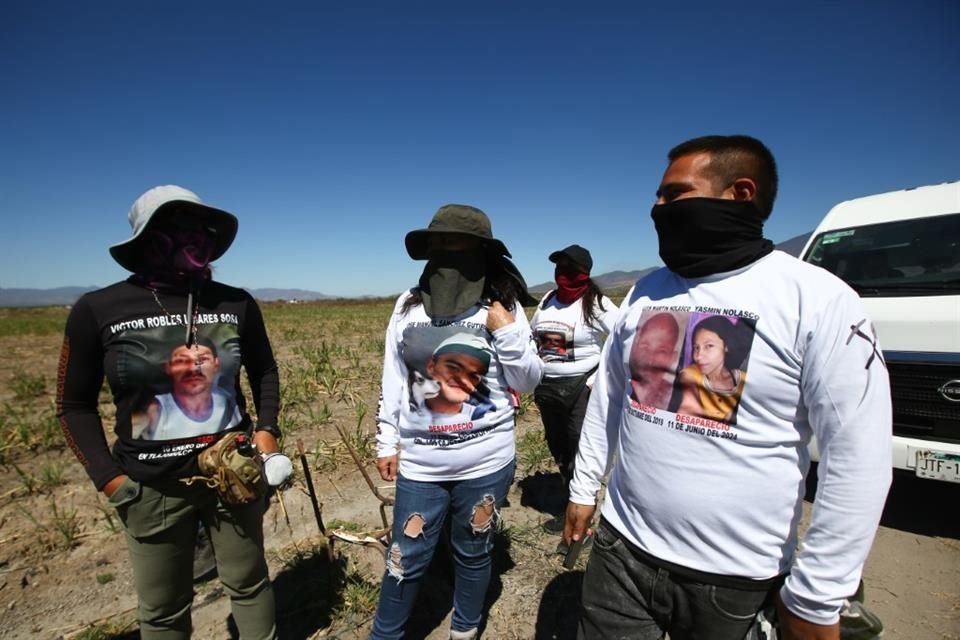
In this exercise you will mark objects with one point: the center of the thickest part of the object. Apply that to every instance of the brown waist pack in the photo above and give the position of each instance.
(234, 468)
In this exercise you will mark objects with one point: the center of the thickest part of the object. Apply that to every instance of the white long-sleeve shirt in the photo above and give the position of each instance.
(724, 497)
(479, 438)
(581, 341)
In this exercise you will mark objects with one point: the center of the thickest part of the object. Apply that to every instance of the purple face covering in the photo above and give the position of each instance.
(178, 245)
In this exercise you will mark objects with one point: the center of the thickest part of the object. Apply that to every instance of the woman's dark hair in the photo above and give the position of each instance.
(729, 333)
(592, 302)
(499, 286)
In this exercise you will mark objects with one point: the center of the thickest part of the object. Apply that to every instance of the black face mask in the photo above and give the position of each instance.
(452, 282)
(702, 236)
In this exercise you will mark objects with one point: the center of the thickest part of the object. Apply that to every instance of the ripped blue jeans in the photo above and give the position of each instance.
(418, 516)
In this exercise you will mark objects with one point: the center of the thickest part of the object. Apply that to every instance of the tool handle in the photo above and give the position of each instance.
(573, 552)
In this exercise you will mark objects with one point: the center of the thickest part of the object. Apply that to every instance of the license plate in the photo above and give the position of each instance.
(937, 465)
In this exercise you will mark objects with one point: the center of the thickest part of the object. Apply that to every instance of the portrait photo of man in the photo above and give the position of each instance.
(458, 366)
(195, 404)
(653, 359)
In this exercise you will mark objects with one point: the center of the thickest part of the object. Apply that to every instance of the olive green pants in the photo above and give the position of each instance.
(161, 527)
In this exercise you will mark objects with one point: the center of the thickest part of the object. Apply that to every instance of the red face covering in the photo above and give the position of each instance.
(571, 283)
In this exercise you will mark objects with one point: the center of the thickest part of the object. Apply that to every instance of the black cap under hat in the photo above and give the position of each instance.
(575, 254)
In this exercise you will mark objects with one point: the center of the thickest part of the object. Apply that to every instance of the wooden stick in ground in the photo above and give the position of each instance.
(384, 500)
(283, 508)
(313, 492)
(335, 486)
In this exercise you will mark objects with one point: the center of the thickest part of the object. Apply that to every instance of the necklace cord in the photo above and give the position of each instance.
(191, 318)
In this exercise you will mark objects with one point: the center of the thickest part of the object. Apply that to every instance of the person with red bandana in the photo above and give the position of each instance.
(570, 325)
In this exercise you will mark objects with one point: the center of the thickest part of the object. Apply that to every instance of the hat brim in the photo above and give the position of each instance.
(557, 256)
(129, 254)
(418, 242)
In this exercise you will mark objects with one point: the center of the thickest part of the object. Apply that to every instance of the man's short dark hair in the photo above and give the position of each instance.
(733, 157)
(204, 341)
(201, 341)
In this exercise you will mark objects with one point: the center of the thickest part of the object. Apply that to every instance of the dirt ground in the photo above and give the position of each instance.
(64, 572)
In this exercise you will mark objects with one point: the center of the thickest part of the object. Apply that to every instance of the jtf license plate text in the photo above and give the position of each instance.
(937, 465)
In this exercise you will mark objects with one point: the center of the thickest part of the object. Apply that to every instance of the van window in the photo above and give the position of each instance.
(917, 256)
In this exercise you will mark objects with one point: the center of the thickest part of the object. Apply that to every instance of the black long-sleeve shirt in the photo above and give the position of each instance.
(171, 401)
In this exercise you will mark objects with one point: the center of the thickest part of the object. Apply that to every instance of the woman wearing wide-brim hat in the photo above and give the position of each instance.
(171, 342)
(460, 332)
(571, 324)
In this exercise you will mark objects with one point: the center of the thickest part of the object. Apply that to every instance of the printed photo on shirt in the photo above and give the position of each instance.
(448, 370)
(554, 341)
(716, 352)
(191, 395)
(655, 357)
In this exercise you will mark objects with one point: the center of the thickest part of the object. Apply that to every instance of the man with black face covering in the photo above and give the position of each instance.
(700, 517)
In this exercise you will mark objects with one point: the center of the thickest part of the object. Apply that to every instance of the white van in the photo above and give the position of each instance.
(901, 252)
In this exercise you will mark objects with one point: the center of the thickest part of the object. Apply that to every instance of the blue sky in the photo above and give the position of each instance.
(332, 129)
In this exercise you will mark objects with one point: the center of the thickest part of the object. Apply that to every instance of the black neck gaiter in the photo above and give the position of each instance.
(452, 282)
(702, 236)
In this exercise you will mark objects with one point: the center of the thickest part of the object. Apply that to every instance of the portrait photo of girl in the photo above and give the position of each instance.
(715, 374)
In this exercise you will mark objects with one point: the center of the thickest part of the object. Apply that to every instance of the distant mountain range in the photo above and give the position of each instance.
(41, 297)
(795, 245)
(619, 281)
(611, 281)
(68, 295)
(287, 294)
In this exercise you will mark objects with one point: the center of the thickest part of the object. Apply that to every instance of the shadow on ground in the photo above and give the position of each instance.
(307, 591)
(544, 492)
(559, 608)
